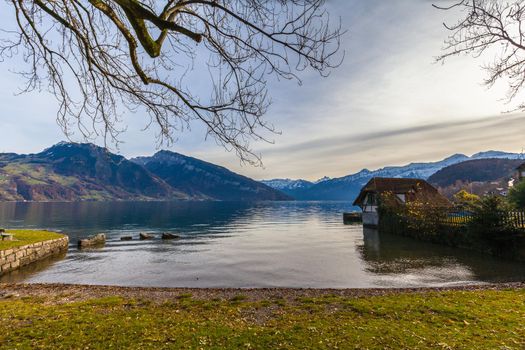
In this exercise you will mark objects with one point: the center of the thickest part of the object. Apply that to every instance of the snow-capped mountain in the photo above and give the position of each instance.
(324, 178)
(287, 184)
(347, 187)
(412, 170)
(497, 154)
(290, 186)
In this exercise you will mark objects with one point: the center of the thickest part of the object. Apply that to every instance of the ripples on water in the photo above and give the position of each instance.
(271, 244)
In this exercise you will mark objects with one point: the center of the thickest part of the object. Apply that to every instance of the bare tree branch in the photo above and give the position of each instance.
(97, 55)
(491, 26)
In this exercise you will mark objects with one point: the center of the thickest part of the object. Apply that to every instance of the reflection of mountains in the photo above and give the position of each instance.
(389, 254)
(84, 218)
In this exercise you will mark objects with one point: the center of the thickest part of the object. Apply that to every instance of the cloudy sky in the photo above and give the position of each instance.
(388, 104)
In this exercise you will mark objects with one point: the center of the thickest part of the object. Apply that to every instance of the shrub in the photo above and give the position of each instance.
(517, 195)
(466, 201)
(421, 217)
(489, 218)
(425, 217)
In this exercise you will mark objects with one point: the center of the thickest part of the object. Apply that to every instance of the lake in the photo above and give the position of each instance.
(225, 244)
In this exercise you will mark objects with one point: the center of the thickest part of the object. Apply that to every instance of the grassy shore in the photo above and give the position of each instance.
(85, 317)
(24, 237)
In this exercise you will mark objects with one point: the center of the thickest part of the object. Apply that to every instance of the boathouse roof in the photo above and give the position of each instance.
(414, 187)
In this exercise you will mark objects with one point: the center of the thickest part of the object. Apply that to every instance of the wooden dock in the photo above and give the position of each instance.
(352, 218)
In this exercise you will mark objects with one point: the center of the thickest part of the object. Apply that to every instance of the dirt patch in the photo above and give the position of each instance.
(65, 293)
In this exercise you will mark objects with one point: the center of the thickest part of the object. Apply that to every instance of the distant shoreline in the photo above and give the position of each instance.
(173, 200)
(59, 293)
(117, 201)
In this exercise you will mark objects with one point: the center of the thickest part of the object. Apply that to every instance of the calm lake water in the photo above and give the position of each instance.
(285, 244)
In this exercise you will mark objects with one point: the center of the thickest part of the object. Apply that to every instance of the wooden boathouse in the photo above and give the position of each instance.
(404, 191)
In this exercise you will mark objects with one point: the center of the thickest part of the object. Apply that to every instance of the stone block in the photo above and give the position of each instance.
(92, 241)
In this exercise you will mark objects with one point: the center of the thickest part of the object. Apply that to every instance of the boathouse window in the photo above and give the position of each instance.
(371, 199)
(401, 197)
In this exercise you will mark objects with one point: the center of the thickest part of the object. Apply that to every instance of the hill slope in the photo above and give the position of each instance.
(71, 172)
(206, 180)
(481, 177)
(479, 170)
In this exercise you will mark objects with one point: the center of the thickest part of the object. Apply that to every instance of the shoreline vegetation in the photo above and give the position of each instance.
(489, 225)
(81, 316)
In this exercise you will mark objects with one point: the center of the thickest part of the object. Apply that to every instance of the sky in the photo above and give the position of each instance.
(389, 103)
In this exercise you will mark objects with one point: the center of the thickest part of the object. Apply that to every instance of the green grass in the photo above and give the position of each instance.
(437, 320)
(30, 173)
(4, 179)
(36, 174)
(24, 237)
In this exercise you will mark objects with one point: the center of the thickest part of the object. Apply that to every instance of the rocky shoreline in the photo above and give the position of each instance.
(65, 293)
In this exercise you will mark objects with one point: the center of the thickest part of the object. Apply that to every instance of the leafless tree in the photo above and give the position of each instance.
(97, 55)
(494, 27)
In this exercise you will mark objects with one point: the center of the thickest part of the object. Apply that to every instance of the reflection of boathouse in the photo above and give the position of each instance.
(404, 190)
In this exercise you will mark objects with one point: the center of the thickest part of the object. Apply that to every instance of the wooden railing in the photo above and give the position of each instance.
(515, 219)
(458, 219)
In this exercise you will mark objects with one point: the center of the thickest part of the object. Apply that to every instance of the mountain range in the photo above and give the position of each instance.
(204, 180)
(83, 171)
(74, 172)
(347, 187)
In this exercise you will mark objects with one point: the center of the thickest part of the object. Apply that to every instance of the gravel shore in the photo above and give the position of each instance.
(64, 293)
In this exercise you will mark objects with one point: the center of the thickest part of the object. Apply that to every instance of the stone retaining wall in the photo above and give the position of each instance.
(14, 258)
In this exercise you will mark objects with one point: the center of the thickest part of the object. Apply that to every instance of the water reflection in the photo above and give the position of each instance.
(400, 259)
(33, 269)
(227, 244)
(84, 218)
